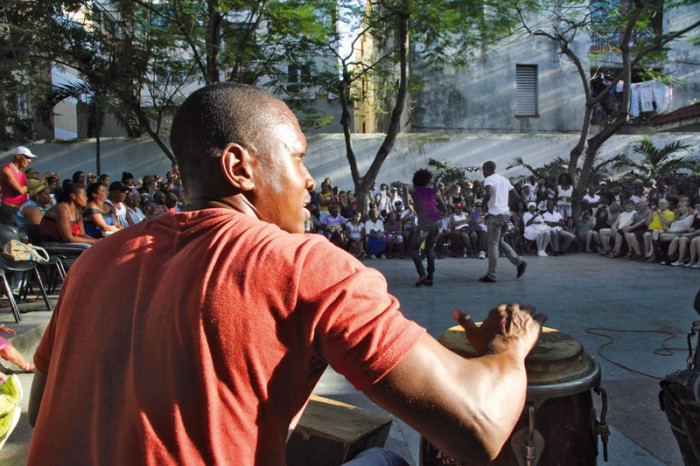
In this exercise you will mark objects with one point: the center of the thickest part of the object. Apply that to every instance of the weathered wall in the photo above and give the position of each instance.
(482, 96)
(326, 153)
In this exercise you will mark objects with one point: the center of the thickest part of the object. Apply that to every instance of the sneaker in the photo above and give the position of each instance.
(521, 269)
(696, 266)
(421, 280)
(676, 264)
(482, 254)
(487, 279)
(428, 281)
(542, 254)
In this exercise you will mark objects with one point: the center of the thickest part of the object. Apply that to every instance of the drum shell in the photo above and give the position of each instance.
(564, 415)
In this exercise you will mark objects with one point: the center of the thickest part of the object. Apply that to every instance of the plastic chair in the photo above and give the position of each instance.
(24, 268)
(10, 296)
(56, 257)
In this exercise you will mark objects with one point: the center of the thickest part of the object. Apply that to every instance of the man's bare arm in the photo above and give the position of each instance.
(466, 407)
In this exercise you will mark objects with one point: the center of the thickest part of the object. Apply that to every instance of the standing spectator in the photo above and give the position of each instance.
(565, 191)
(105, 180)
(382, 201)
(425, 200)
(13, 184)
(91, 178)
(497, 191)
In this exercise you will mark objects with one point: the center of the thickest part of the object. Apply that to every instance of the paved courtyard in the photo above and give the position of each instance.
(622, 312)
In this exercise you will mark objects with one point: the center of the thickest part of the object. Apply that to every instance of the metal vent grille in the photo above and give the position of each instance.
(526, 90)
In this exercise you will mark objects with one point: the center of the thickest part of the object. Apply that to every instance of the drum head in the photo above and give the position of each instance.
(557, 358)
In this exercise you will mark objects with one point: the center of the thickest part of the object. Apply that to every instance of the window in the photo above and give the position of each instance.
(298, 76)
(526, 91)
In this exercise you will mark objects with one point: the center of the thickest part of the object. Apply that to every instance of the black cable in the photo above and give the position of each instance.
(663, 351)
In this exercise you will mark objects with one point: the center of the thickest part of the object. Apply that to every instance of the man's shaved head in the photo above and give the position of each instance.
(213, 117)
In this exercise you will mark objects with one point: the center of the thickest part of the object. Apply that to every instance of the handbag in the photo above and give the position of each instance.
(18, 251)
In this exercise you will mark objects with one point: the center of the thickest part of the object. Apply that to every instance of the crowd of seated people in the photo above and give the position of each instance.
(84, 208)
(641, 221)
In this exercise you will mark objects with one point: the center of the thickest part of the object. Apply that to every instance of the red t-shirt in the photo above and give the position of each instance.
(195, 338)
(9, 195)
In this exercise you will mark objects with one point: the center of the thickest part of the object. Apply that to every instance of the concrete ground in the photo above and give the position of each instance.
(632, 317)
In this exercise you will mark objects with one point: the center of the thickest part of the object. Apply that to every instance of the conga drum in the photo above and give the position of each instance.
(558, 425)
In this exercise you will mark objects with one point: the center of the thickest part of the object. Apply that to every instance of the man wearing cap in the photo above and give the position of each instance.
(497, 190)
(32, 211)
(116, 197)
(13, 183)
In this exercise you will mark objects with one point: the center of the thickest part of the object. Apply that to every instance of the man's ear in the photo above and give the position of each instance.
(236, 166)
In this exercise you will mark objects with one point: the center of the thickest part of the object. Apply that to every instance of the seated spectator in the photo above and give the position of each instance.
(683, 224)
(375, 237)
(694, 251)
(117, 195)
(408, 222)
(99, 217)
(158, 205)
(458, 229)
(347, 210)
(634, 232)
(334, 227)
(659, 219)
(355, 231)
(78, 178)
(63, 223)
(128, 180)
(31, 212)
(478, 227)
(325, 199)
(10, 353)
(394, 236)
(536, 229)
(585, 232)
(604, 219)
(617, 229)
(684, 241)
(134, 212)
(559, 237)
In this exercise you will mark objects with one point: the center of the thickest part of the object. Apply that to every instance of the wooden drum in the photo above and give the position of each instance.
(558, 425)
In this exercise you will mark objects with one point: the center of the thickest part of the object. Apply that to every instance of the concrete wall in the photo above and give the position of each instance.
(482, 96)
(326, 153)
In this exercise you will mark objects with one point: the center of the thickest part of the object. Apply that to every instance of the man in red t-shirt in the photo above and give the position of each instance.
(204, 338)
(13, 184)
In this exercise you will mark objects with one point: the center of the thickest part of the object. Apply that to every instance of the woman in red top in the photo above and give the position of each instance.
(63, 223)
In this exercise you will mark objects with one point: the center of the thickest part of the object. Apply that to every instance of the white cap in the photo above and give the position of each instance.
(21, 150)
